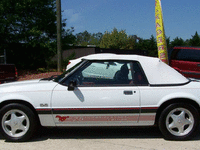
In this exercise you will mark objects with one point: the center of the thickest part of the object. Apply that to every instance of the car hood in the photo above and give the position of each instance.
(20, 82)
(28, 85)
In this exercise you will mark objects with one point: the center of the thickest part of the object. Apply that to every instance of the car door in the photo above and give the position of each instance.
(104, 95)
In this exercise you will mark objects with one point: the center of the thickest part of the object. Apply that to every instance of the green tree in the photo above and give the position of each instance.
(152, 47)
(177, 42)
(195, 41)
(27, 21)
(31, 25)
(85, 38)
(114, 40)
(68, 38)
(96, 39)
(149, 45)
(130, 43)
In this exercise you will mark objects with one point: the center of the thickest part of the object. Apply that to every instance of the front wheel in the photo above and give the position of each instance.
(179, 121)
(18, 122)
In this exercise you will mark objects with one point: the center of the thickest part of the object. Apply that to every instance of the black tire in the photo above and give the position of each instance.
(179, 121)
(18, 122)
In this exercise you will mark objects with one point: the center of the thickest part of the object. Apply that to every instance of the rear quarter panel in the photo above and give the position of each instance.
(156, 96)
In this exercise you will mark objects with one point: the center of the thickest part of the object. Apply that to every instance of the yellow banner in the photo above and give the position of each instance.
(160, 33)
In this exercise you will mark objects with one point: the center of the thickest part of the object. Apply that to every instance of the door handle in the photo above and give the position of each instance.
(128, 92)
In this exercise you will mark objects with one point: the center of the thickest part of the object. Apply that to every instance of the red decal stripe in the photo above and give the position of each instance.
(96, 109)
(96, 118)
(147, 118)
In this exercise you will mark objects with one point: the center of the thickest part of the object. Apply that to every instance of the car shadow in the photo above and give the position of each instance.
(101, 133)
(98, 133)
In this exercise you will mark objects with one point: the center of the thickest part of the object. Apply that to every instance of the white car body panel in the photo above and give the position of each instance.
(34, 92)
(55, 104)
(155, 96)
(37, 93)
(95, 98)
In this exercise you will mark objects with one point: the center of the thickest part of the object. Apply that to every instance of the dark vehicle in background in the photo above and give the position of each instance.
(186, 60)
(8, 73)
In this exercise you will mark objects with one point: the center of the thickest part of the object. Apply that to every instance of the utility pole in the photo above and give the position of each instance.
(4, 56)
(59, 44)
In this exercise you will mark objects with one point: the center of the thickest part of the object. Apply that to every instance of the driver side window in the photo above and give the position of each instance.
(103, 73)
(108, 73)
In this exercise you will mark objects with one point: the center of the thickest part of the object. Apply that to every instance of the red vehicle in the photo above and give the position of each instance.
(8, 73)
(186, 60)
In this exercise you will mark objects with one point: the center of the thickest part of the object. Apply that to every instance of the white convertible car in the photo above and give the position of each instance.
(104, 90)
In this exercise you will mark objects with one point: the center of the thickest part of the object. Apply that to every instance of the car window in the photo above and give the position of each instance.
(103, 73)
(108, 73)
(105, 70)
(61, 77)
(188, 55)
(139, 77)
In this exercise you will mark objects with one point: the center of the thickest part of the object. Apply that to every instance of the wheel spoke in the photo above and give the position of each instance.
(8, 123)
(13, 130)
(13, 116)
(14, 123)
(184, 120)
(182, 114)
(181, 117)
(23, 128)
(181, 129)
(174, 117)
(172, 125)
(22, 118)
(188, 122)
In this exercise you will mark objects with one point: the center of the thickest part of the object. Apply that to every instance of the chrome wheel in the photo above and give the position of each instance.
(180, 122)
(15, 123)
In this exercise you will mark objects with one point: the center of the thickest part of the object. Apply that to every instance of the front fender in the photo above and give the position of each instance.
(15, 96)
(45, 119)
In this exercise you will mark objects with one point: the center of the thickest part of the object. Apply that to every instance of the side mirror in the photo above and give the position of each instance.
(71, 85)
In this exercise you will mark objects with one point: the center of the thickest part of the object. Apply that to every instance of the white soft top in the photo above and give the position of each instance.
(156, 71)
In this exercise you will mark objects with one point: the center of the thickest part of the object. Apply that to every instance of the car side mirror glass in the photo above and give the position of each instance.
(71, 85)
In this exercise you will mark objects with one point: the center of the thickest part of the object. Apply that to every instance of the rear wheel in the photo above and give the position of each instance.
(179, 121)
(18, 122)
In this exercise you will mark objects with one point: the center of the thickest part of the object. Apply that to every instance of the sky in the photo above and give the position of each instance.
(181, 17)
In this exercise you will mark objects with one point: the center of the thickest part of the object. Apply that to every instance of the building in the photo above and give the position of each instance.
(81, 51)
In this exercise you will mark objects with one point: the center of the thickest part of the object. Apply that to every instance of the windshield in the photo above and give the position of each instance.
(67, 72)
